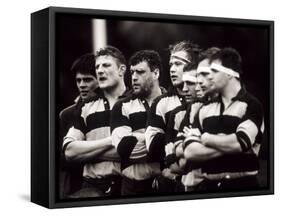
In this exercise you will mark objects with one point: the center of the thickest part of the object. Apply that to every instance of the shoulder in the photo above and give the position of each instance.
(251, 99)
(67, 112)
(125, 100)
(178, 110)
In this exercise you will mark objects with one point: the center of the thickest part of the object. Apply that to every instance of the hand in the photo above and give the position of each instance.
(191, 131)
(179, 150)
(170, 149)
(205, 138)
(176, 169)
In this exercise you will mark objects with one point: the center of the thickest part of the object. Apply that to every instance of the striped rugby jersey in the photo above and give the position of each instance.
(159, 115)
(94, 124)
(243, 117)
(129, 116)
(180, 117)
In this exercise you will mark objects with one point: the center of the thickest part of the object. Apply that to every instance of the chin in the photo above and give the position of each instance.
(103, 86)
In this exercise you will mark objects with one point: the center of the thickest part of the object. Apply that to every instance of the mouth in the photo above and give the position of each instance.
(174, 77)
(84, 92)
(101, 79)
(136, 84)
(188, 97)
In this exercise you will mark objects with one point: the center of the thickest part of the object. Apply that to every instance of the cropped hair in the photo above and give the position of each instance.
(230, 58)
(208, 53)
(150, 56)
(192, 50)
(85, 64)
(111, 51)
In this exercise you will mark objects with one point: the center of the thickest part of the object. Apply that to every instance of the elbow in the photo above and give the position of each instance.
(190, 152)
(236, 149)
(69, 153)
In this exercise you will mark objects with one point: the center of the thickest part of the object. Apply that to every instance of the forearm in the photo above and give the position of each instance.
(223, 143)
(85, 150)
(97, 155)
(110, 155)
(139, 151)
(198, 152)
(176, 169)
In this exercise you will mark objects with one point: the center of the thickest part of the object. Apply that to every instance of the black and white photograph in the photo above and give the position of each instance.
(159, 107)
(151, 108)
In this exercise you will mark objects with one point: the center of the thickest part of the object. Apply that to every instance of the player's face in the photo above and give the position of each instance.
(205, 78)
(176, 67)
(220, 79)
(86, 84)
(142, 78)
(189, 91)
(108, 72)
(198, 90)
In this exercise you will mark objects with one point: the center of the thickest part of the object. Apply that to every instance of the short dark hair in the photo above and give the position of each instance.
(230, 58)
(85, 64)
(208, 53)
(150, 56)
(191, 49)
(192, 66)
(111, 51)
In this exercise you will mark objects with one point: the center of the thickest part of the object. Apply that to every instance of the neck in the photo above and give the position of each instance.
(231, 90)
(179, 91)
(155, 92)
(113, 94)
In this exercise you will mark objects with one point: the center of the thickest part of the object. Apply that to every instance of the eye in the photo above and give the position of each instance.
(88, 79)
(205, 74)
(106, 65)
(140, 72)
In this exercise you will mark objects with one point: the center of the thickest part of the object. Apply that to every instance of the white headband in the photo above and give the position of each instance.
(205, 69)
(189, 78)
(225, 70)
(181, 58)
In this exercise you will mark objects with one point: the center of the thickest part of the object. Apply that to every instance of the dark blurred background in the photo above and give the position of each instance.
(74, 37)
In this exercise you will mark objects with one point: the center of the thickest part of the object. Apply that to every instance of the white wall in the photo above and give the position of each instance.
(15, 109)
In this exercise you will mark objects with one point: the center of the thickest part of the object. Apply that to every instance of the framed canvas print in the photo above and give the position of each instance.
(139, 107)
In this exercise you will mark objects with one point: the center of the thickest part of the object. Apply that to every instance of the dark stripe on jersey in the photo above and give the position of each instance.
(138, 120)
(171, 134)
(221, 124)
(167, 116)
(244, 140)
(116, 113)
(126, 147)
(232, 163)
(157, 122)
(98, 120)
(157, 148)
(79, 124)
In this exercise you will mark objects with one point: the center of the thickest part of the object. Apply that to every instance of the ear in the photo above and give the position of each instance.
(156, 74)
(122, 70)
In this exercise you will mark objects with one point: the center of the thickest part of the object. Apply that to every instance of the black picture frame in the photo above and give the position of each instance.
(44, 114)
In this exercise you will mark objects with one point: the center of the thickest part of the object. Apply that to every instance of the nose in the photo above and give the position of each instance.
(172, 69)
(134, 77)
(82, 84)
(199, 80)
(99, 70)
(185, 87)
